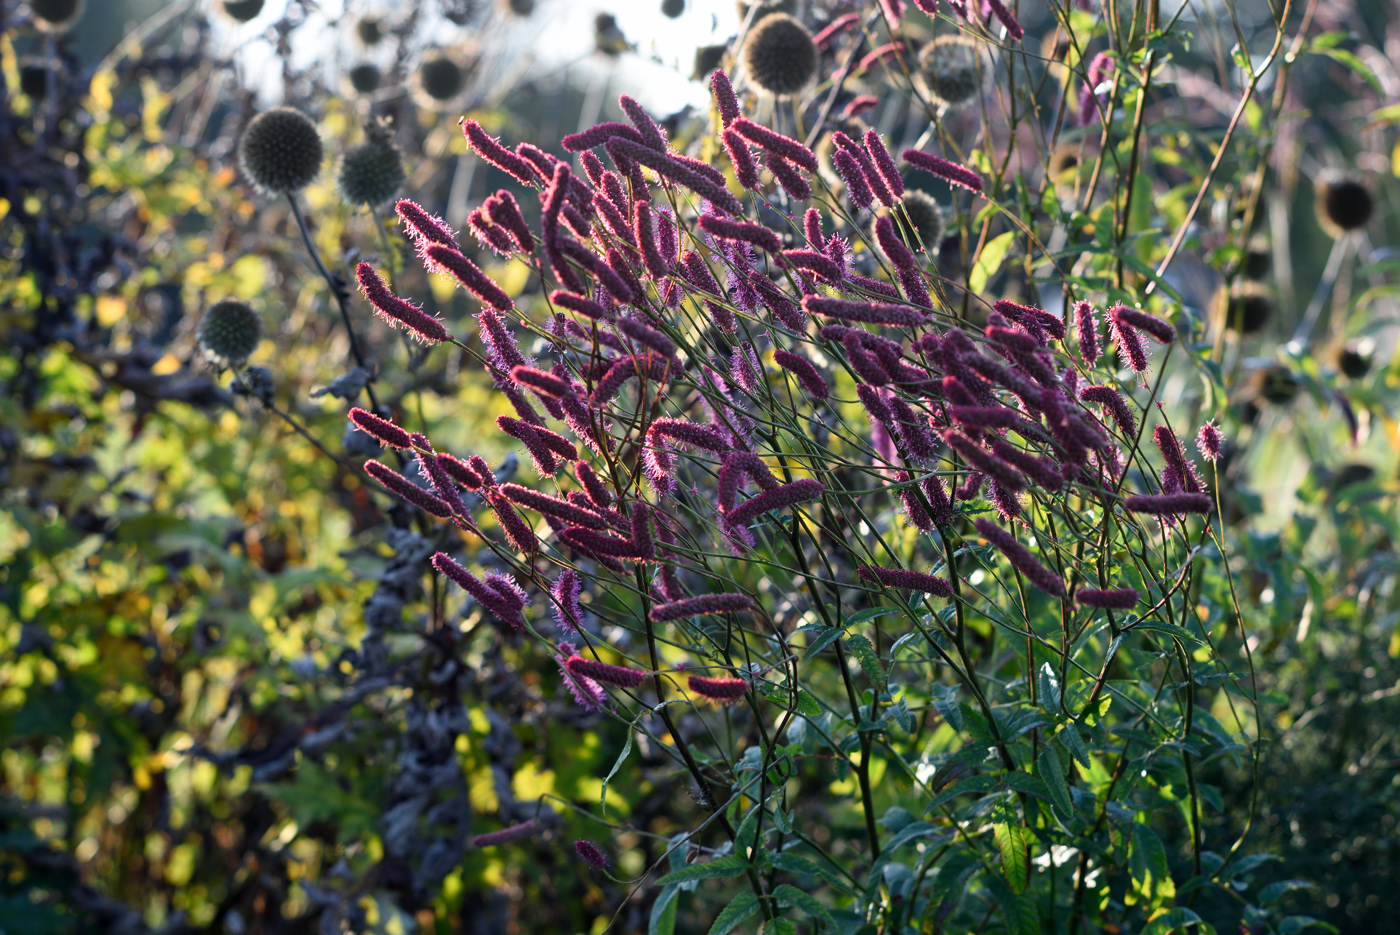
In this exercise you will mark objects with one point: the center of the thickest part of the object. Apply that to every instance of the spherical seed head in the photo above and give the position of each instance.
(365, 77)
(1276, 384)
(1258, 259)
(1354, 360)
(779, 55)
(948, 69)
(520, 7)
(57, 14)
(927, 218)
(33, 80)
(765, 8)
(1344, 204)
(229, 331)
(672, 8)
(1064, 163)
(281, 150)
(1249, 310)
(370, 174)
(369, 31)
(707, 59)
(243, 10)
(1354, 473)
(440, 77)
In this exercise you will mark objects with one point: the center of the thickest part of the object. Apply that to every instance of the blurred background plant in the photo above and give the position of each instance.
(230, 695)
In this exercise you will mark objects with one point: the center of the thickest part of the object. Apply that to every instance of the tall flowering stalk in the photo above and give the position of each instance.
(772, 443)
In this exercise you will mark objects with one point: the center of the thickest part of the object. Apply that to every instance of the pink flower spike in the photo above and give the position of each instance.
(1111, 599)
(382, 429)
(506, 835)
(872, 177)
(1115, 404)
(812, 228)
(470, 277)
(431, 465)
(880, 55)
(893, 10)
(541, 381)
(461, 472)
(884, 163)
(1086, 329)
(806, 374)
(1208, 441)
(1013, 27)
(859, 105)
(587, 693)
(596, 136)
(395, 310)
(779, 498)
(723, 691)
(591, 854)
(521, 536)
(504, 211)
(913, 507)
(551, 506)
(907, 580)
(1168, 504)
(578, 303)
(490, 149)
(725, 100)
(742, 231)
(938, 499)
(822, 265)
(856, 185)
(621, 676)
(505, 609)
(1129, 344)
(928, 6)
(1162, 331)
(567, 611)
(950, 172)
(797, 187)
(836, 27)
(424, 229)
(704, 605)
(1021, 558)
(745, 167)
(874, 313)
(407, 490)
(636, 113)
(776, 143)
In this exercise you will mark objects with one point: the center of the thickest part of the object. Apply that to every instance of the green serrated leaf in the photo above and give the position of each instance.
(864, 652)
(626, 750)
(663, 913)
(1049, 689)
(721, 868)
(870, 613)
(795, 864)
(1015, 854)
(1053, 775)
(779, 926)
(827, 636)
(900, 712)
(740, 908)
(1070, 739)
(787, 893)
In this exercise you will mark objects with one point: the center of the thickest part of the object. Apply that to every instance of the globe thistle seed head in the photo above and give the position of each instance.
(440, 77)
(243, 10)
(1064, 163)
(370, 173)
(1343, 204)
(1354, 358)
(57, 15)
(926, 218)
(948, 70)
(369, 31)
(608, 38)
(34, 79)
(779, 55)
(672, 9)
(1249, 310)
(707, 59)
(765, 8)
(1275, 384)
(281, 150)
(229, 332)
(520, 7)
(365, 78)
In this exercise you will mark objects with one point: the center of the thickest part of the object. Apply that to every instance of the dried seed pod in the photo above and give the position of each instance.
(365, 78)
(1343, 204)
(371, 173)
(281, 150)
(779, 55)
(243, 10)
(948, 70)
(440, 77)
(229, 332)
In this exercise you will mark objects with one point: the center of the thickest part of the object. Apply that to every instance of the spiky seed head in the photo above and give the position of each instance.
(765, 7)
(520, 7)
(1354, 473)
(243, 10)
(34, 79)
(779, 55)
(440, 77)
(57, 15)
(948, 70)
(365, 78)
(229, 332)
(926, 217)
(370, 173)
(1064, 163)
(1276, 384)
(1250, 309)
(707, 59)
(1354, 358)
(281, 150)
(1343, 204)
(369, 30)
(672, 8)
